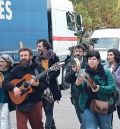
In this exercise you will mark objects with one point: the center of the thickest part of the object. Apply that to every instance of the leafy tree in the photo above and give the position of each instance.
(97, 13)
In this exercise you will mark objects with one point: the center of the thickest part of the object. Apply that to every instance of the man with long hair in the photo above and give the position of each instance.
(46, 57)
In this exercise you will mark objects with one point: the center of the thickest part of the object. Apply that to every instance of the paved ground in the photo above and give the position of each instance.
(65, 116)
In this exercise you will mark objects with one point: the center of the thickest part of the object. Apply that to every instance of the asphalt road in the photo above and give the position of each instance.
(65, 116)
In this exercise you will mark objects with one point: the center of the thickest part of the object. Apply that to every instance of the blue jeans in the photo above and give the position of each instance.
(48, 108)
(93, 120)
(77, 109)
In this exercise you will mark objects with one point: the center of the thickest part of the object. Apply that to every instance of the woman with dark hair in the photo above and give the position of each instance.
(113, 58)
(96, 92)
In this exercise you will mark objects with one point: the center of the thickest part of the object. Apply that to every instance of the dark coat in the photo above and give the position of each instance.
(18, 72)
(70, 77)
(53, 85)
(52, 77)
(4, 97)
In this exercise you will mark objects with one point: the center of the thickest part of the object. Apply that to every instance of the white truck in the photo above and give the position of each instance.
(105, 39)
(30, 20)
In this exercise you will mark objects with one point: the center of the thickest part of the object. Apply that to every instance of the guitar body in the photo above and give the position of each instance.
(24, 87)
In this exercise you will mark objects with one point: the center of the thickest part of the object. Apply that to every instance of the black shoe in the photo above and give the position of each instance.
(53, 127)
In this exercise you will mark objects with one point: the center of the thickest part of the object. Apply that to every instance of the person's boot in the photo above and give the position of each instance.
(53, 127)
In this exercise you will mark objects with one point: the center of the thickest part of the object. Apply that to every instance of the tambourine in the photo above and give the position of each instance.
(1, 78)
(75, 62)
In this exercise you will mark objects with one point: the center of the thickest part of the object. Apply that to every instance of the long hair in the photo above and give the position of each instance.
(45, 43)
(116, 53)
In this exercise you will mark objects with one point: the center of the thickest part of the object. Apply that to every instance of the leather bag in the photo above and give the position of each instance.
(99, 106)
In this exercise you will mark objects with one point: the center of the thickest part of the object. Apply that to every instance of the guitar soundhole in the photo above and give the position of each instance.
(26, 84)
(24, 91)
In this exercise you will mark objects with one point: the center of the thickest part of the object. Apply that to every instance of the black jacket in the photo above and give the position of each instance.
(53, 84)
(4, 93)
(70, 74)
(18, 72)
(52, 77)
(70, 77)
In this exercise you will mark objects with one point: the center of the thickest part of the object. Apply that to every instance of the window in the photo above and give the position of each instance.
(105, 43)
(70, 21)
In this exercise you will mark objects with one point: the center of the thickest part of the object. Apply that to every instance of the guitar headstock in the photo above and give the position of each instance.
(86, 75)
(56, 66)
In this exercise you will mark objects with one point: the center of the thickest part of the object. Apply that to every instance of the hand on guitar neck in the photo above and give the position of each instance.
(84, 76)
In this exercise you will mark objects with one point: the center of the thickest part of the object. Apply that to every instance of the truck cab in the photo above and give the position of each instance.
(62, 24)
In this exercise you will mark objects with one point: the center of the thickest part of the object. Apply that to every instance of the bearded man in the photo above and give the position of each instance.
(31, 108)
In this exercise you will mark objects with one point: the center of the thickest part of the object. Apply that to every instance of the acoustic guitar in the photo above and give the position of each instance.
(25, 86)
(88, 80)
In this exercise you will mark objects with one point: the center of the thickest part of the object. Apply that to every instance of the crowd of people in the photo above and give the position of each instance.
(94, 87)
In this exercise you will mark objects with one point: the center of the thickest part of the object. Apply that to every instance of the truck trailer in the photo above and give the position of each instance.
(23, 22)
(29, 20)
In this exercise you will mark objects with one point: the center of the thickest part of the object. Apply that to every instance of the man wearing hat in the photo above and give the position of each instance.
(6, 63)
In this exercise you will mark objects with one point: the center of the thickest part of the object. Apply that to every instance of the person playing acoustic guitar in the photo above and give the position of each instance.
(96, 100)
(24, 86)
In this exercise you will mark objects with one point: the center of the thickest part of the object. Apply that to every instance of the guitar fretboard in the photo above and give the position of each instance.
(55, 67)
(42, 74)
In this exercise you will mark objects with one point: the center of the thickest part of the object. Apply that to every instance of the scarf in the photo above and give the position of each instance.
(99, 71)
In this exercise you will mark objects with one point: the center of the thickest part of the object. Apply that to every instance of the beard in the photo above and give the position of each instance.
(24, 63)
(78, 56)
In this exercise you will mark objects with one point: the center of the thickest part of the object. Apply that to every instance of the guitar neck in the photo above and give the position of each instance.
(42, 74)
(55, 67)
